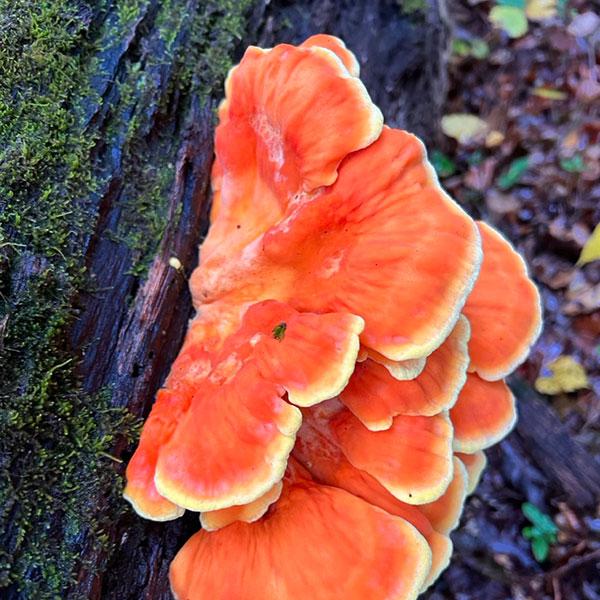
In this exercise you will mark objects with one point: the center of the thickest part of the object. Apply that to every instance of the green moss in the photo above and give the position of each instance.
(59, 490)
(53, 437)
(200, 62)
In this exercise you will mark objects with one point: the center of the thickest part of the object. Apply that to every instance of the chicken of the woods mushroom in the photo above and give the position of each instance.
(328, 411)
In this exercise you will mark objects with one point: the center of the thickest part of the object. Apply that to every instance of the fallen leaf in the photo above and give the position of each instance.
(571, 140)
(591, 249)
(549, 93)
(564, 230)
(479, 176)
(501, 204)
(584, 24)
(461, 47)
(479, 48)
(539, 10)
(588, 90)
(494, 138)
(574, 164)
(444, 166)
(582, 300)
(464, 127)
(514, 173)
(567, 375)
(510, 19)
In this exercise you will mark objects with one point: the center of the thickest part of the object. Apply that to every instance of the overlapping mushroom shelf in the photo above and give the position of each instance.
(328, 411)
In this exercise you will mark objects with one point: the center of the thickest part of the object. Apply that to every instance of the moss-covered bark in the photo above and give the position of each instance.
(87, 92)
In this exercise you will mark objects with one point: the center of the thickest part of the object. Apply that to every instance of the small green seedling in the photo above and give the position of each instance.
(542, 532)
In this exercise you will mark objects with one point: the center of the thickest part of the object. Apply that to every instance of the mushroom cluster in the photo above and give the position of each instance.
(328, 411)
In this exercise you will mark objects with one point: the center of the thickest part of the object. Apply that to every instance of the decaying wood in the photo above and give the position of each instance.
(564, 462)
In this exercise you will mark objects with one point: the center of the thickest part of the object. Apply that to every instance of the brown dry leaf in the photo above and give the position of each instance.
(571, 140)
(480, 176)
(501, 204)
(584, 300)
(567, 375)
(588, 90)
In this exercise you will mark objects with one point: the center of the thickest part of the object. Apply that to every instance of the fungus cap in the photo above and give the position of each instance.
(484, 413)
(280, 557)
(365, 245)
(278, 135)
(475, 464)
(504, 309)
(235, 390)
(412, 459)
(325, 250)
(338, 47)
(376, 397)
(317, 451)
(248, 513)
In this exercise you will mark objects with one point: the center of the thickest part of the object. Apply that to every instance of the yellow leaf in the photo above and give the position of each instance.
(494, 138)
(549, 93)
(567, 376)
(591, 249)
(509, 18)
(538, 10)
(464, 127)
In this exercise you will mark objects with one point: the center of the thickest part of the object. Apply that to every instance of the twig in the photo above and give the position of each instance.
(574, 564)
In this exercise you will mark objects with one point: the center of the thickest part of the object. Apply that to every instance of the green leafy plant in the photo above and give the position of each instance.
(514, 173)
(574, 164)
(443, 164)
(541, 533)
(475, 47)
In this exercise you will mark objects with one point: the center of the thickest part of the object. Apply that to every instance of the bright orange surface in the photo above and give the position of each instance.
(444, 513)
(412, 459)
(231, 391)
(314, 355)
(475, 464)
(503, 309)
(338, 47)
(374, 246)
(158, 428)
(376, 397)
(316, 542)
(231, 446)
(399, 369)
(484, 413)
(216, 519)
(279, 136)
(331, 242)
(326, 462)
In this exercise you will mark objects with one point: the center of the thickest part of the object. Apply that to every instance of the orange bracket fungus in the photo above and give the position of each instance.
(329, 408)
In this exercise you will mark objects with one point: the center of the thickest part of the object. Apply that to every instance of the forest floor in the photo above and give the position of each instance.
(531, 167)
